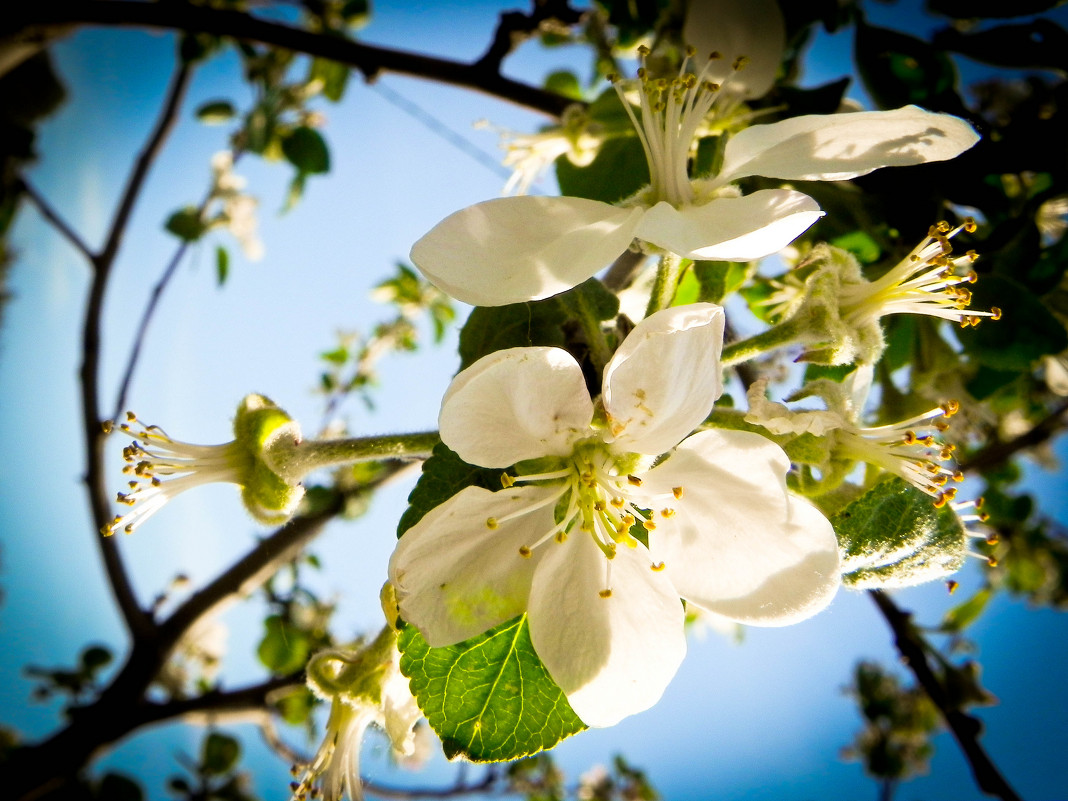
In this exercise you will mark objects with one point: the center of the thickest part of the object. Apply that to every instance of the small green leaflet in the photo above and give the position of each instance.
(489, 698)
(893, 536)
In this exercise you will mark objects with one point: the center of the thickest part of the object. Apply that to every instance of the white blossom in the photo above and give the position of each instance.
(716, 524)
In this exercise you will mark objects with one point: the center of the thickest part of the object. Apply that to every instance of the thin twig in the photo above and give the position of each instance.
(25, 20)
(460, 788)
(137, 619)
(54, 218)
(965, 728)
(515, 27)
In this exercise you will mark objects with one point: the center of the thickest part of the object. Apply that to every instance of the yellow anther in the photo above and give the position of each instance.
(958, 476)
(491, 523)
(969, 225)
(667, 513)
(941, 500)
(691, 51)
(715, 55)
(131, 417)
(740, 63)
(950, 493)
(990, 560)
(643, 50)
(599, 506)
(995, 313)
(507, 480)
(949, 408)
(909, 438)
(952, 585)
(605, 593)
(678, 492)
(649, 525)
(634, 480)
(657, 567)
(107, 426)
(524, 551)
(992, 539)
(617, 502)
(561, 536)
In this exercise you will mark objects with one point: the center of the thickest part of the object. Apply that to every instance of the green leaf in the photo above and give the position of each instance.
(222, 264)
(893, 536)
(306, 150)
(220, 753)
(492, 328)
(296, 706)
(960, 617)
(284, 648)
(564, 82)
(1025, 332)
(444, 474)
(216, 112)
(335, 77)
(186, 224)
(717, 279)
(619, 170)
(489, 698)
(899, 69)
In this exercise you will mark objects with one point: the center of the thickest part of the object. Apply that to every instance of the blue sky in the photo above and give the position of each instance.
(761, 720)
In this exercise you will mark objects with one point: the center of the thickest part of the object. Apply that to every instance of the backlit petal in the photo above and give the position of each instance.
(834, 147)
(731, 228)
(515, 249)
(738, 544)
(515, 404)
(753, 29)
(662, 381)
(455, 576)
(612, 656)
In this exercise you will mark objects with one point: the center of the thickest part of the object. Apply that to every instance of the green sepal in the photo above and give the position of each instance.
(489, 699)
(258, 425)
(894, 536)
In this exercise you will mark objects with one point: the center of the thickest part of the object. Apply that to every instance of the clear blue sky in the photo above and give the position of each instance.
(760, 720)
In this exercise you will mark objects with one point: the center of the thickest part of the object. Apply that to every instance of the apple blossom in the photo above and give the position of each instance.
(594, 536)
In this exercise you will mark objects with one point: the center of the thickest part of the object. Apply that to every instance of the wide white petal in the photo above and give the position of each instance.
(515, 249)
(456, 577)
(739, 545)
(731, 228)
(753, 29)
(834, 147)
(614, 656)
(662, 381)
(515, 404)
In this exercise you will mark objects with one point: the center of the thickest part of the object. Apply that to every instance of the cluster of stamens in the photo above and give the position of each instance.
(160, 468)
(972, 517)
(673, 109)
(927, 281)
(595, 499)
(912, 449)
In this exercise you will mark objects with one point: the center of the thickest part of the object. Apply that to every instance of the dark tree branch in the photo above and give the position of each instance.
(137, 620)
(460, 788)
(25, 21)
(998, 453)
(965, 728)
(54, 219)
(515, 27)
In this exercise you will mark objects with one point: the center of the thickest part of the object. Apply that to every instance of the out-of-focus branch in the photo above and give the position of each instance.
(26, 21)
(1000, 452)
(54, 219)
(241, 705)
(965, 728)
(460, 788)
(137, 620)
(515, 27)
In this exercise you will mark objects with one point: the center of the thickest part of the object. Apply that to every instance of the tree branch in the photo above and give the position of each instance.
(997, 453)
(24, 21)
(137, 620)
(965, 728)
(54, 219)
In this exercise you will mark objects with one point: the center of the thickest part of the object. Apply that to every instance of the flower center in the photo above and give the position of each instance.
(927, 281)
(672, 110)
(161, 468)
(599, 499)
(909, 449)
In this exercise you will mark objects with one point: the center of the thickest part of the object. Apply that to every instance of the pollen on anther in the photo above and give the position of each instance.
(657, 567)
(634, 480)
(507, 480)
(491, 523)
(524, 551)
(667, 513)
(678, 492)
(649, 525)
(995, 313)
(952, 585)
(605, 593)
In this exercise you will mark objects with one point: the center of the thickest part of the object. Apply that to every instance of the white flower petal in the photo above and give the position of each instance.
(731, 228)
(612, 656)
(834, 147)
(455, 577)
(662, 381)
(515, 404)
(739, 545)
(515, 249)
(753, 29)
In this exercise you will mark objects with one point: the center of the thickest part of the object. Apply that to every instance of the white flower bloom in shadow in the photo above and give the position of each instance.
(613, 513)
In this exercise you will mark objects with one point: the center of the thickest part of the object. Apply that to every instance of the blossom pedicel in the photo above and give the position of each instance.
(593, 535)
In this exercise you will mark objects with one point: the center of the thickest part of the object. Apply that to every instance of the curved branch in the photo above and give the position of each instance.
(25, 21)
(137, 620)
(966, 729)
(998, 453)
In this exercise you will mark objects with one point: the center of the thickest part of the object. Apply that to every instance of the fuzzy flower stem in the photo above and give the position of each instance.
(667, 281)
(776, 337)
(294, 460)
